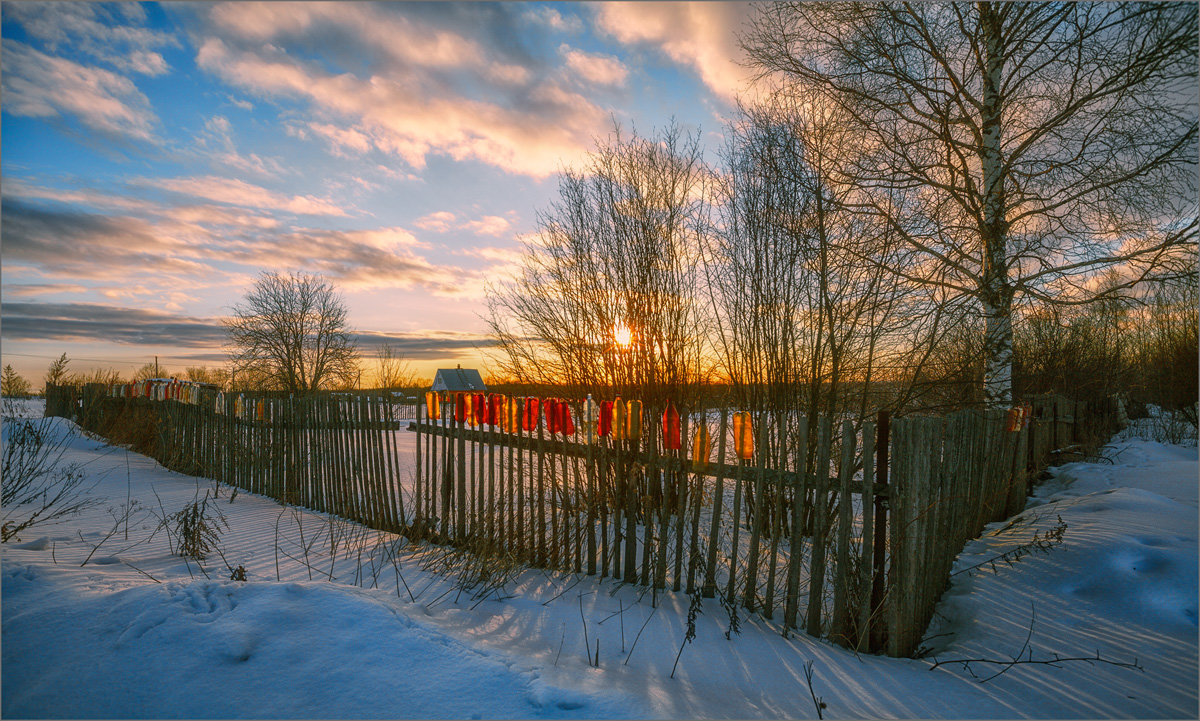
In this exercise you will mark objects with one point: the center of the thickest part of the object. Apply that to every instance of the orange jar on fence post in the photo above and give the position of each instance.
(633, 421)
(743, 435)
(701, 447)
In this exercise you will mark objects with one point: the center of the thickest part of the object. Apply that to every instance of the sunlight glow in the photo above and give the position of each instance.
(622, 335)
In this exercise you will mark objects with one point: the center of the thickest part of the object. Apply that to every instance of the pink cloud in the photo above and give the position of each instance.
(444, 221)
(396, 36)
(595, 69)
(42, 86)
(342, 138)
(488, 225)
(553, 19)
(123, 43)
(18, 188)
(220, 216)
(702, 36)
(404, 108)
(438, 222)
(218, 137)
(356, 259)
(241, 193)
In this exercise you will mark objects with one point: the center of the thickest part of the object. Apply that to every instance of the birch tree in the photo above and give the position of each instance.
(1019, 149)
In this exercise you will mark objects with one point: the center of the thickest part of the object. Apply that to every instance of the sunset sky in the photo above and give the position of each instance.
(156, 158)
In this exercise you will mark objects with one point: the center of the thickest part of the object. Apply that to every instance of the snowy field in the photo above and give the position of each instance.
(102, 620)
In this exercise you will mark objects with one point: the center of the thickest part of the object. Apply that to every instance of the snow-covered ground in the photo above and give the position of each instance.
(138, 632)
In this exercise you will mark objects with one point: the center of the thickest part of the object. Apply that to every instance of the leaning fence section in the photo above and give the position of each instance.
(844, 530)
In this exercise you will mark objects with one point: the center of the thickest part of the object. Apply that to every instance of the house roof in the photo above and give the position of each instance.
(458, 379)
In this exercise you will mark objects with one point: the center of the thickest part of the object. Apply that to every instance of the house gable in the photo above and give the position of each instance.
(455, 380)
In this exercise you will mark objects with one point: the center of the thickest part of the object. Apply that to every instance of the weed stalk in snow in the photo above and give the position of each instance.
(1024, 656)
(638, 636)
(695, 608)
(818, 703)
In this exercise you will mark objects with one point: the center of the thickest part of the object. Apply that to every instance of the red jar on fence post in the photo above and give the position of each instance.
(604, 422)
(670, 428)
(495, 417)
(479, 409)
(552, 417)
(566, 423)
(512, 414)
(529, 420)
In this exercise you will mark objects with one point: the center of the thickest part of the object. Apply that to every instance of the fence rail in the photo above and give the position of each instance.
(846, 532)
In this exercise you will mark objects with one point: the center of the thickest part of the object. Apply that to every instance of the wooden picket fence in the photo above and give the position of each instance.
(330, 452)
(848, 537)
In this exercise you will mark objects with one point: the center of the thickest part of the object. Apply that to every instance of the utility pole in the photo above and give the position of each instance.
(156, 366)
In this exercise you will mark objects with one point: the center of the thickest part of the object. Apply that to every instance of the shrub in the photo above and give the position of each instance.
(35, 486)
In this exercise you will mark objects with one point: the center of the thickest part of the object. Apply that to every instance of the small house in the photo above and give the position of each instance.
(458, 380)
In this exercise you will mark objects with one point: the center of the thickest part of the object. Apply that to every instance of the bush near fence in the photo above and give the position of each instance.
(858, 553)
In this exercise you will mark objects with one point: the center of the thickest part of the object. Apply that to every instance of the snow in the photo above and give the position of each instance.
(138, 632)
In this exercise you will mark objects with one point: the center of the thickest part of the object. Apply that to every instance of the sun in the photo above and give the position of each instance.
(622, 335)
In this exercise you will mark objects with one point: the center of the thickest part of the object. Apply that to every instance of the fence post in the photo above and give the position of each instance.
(679, 478)
(839, 625)
(867, 554)
(778, 522)
(883, 431)
(799, 495)
(759, 508)
(816, 583)
(592, 497)
(541, 491)
(730, 595)
(696, 498)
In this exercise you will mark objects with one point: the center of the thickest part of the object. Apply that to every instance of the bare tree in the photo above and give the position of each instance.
(393, 370)
(805, 323)
(291, 333)
(1164, 336)
(150, 370)
(610, 290)
(106, 376)
(56, 374)
(1019, 149)
(12, 384)
(203, 374)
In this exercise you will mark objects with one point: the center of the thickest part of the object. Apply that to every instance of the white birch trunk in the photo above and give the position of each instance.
(996, 290)
(998, 355)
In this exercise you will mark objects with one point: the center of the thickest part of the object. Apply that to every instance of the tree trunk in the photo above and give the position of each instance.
(996, 293)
